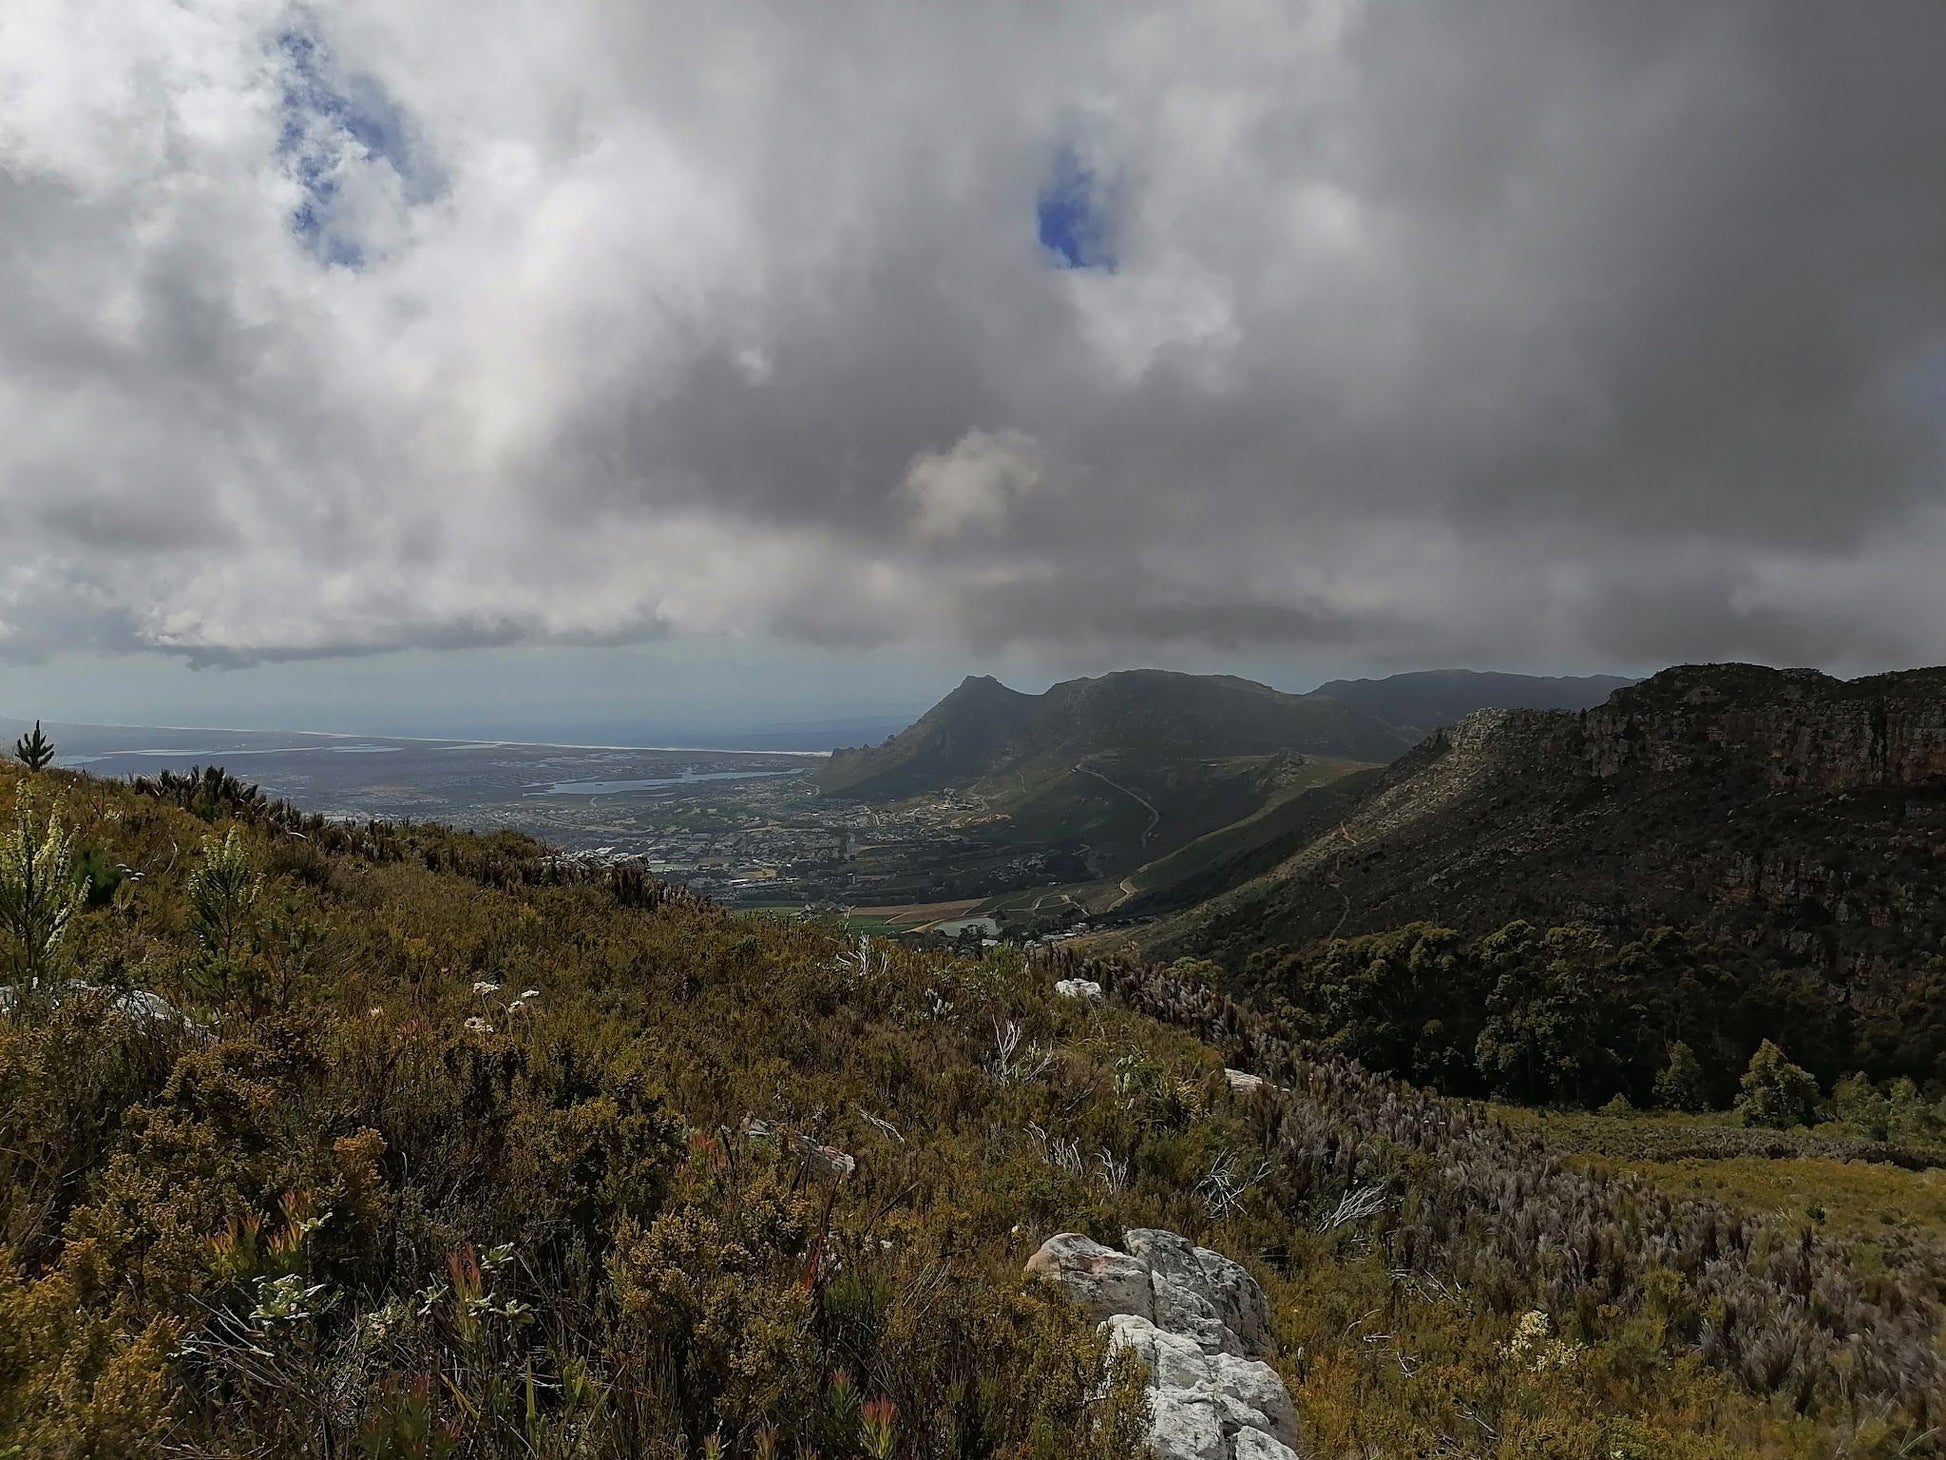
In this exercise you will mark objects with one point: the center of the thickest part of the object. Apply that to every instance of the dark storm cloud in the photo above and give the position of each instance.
(1514, 329)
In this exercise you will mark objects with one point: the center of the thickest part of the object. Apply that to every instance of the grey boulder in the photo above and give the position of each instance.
(1195, 1320)
(1203, 1287)
(1099, 1280)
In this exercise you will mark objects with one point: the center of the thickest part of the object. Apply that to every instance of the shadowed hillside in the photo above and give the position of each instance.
(1803, 808)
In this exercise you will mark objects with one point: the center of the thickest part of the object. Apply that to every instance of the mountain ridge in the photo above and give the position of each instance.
(983, 730)
(1787, 808)
(1426, 699)
(1117, 769)
(982, 727)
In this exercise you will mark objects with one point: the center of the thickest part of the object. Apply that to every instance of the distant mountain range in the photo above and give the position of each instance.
(986, 731)
(1427, 699)
(1139, 764)
(1127, 766)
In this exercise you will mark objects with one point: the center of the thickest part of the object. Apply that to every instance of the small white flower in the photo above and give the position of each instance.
(484, 988)
(516, 1006)
(477, 1025)
(530, 993)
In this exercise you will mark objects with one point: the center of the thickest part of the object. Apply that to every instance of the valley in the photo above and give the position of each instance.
(1112, 799)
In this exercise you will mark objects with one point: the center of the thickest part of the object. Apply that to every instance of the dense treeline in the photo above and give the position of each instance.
(1566, 1015)
(326, 1140)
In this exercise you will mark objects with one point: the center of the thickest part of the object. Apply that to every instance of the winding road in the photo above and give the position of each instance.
(1155, 816)
(1155, 820)
(1336, 879)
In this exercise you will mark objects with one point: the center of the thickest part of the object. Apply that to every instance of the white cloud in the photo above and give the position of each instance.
(974, 486)
(512, 320)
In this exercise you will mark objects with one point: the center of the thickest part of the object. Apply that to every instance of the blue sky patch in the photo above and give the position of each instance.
(1073, 214)
(333, 127)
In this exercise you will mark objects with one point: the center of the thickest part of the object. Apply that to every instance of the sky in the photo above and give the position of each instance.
(418, 362)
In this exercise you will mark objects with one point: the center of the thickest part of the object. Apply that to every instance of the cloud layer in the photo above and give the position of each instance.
(1517, 330)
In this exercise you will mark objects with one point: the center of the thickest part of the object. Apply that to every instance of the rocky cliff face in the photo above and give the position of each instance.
(1787, 810)
(1795, 727)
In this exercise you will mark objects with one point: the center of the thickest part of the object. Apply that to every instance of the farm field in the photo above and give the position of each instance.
(916, 916)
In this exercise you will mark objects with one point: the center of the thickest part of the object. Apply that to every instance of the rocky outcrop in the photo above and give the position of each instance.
(1084, 989)
(1197, 1321)
(1099, 1280)
(1202, 1293)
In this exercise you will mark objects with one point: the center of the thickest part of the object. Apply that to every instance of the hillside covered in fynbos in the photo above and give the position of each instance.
(334, 1140)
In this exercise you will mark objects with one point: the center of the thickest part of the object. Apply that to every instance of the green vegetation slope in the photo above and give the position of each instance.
(454, 1150)
(1787, 827)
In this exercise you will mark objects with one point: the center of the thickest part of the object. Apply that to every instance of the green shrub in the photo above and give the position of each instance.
(222, 893)
(34, 750)
(38, 890)
(1680, 1084)
(1775, 1092)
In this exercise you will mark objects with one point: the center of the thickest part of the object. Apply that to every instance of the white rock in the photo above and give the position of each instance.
(1189, 1311)
(1185, 1427)
(1192, 1318)
(1245, 1083)
(143, 1007)
(1174, 1360)
(1246, 1393)
(1239, 1301)
(1234, 1415)
(1203, 1287)
(1085, 989)
(1099, 1280)
(1252, 1385)
(1256, 1445)
(1168, 1253)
